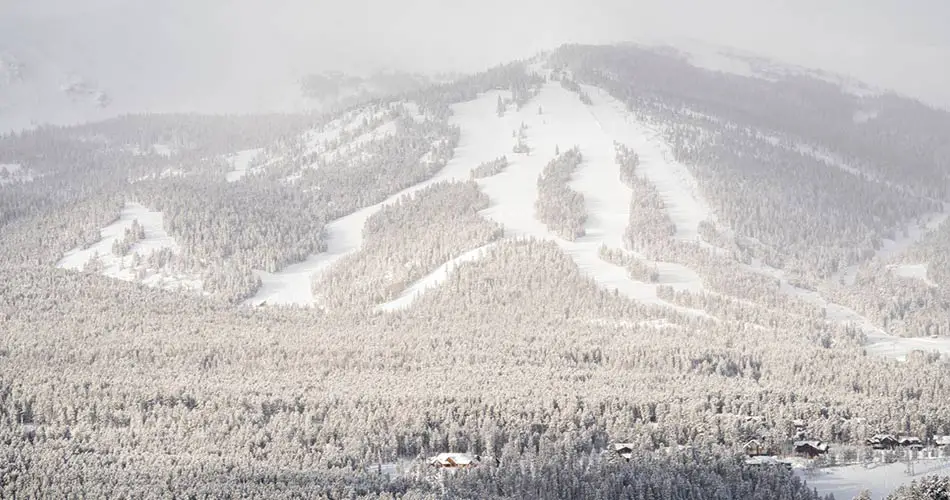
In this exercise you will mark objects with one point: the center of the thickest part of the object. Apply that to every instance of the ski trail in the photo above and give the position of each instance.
(564, 123)
(677, 186)
(292, 285)
(433, 279)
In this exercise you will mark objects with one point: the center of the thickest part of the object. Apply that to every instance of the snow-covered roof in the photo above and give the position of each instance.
(625, 449)
(818, 445)
(942, 440)
(452, 459)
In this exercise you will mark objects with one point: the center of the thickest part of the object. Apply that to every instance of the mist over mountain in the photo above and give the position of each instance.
(433, 250)
(248, 56)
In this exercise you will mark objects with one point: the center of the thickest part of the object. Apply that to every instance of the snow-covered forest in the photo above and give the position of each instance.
(530, 264)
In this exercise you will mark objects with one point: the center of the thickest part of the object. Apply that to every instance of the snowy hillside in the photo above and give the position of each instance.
(653, 221)
(134, 248)
(531, 264)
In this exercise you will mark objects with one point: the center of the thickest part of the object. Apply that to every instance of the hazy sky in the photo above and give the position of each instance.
(172, 44)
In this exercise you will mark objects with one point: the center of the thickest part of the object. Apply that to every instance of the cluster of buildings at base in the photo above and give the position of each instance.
(760, 455)
(757, 453)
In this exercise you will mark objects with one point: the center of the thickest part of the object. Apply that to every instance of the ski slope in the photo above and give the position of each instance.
(124, 268)
(433, 279)
(564, 123)
(677, 186)
(485, 136)
(292, 285)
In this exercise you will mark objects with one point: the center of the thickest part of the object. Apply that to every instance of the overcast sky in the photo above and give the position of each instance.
(172, 44)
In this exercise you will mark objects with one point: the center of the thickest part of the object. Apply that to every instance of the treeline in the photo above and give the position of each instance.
(97, 374)
(649, 223)
(558, 206)
(490, 168)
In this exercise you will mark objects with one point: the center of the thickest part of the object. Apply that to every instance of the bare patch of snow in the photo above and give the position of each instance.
(125, 267)
(716, 60)
(240, 162)
(738, 62)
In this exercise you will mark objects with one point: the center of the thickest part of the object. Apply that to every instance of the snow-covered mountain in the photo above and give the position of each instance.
(707, 190)
(718, 241)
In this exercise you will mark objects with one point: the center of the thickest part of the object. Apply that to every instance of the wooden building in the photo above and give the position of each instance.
(454, 460)
(810, 449)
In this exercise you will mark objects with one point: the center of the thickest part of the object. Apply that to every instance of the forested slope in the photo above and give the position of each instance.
(616, 246)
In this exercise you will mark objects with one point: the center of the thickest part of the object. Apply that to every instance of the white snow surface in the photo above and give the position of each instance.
(567, 122)
(891, 346)
(677, 186)
(484, 137)
(880, 479)
(123, 268)
(912, 271)
(10, 168)
(240, 162)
